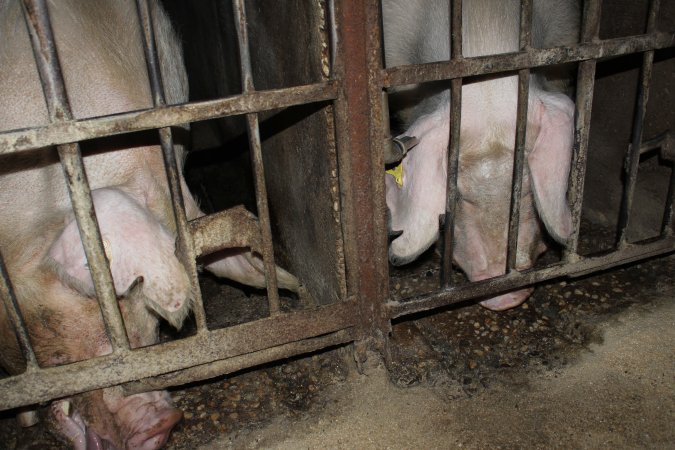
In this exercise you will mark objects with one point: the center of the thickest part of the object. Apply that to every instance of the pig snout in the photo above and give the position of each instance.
(146, 420)
(508, 300)
(137, 245)
(108, 420)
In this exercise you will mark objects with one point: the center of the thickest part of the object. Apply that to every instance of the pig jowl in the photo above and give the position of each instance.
(101, 56)
(418, 32)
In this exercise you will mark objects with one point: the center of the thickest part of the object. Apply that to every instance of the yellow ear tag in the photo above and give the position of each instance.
(397, 173)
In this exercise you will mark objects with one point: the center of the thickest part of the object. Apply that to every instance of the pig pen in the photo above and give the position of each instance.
(334, 239)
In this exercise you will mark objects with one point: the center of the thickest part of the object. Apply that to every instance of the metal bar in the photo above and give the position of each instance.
(667, 224)
(452, 167)
(253, 126)
(358, 129)
(582, 125)
(79, 130)
(203, 348)
(230, 365)
(185, 247)
(44, 49)
(521, 131)
(15, 318)
(518, 164)
(633, 155)
(508, 62)
(456, 30)
(516, 280)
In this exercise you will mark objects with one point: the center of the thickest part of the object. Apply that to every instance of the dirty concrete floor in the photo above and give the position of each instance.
(619, 394)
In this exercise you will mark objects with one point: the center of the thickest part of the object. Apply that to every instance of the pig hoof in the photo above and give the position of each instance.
(507, 301)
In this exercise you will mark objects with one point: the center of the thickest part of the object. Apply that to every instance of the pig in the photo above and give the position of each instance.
(418, 32)
(100, 50)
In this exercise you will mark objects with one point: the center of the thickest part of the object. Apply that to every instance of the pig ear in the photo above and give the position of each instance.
(549, 161)
(66, 256)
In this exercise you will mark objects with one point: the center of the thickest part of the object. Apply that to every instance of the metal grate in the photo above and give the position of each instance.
(354, 92)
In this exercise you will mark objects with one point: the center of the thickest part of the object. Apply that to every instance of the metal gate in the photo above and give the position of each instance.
(349, 95)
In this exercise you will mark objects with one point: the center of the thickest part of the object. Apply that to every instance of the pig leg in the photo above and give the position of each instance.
(415, 207)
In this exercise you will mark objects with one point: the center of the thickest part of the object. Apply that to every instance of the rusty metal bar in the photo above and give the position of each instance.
(481, 65)
(521, 130)
(358, 129)
(230, 365)
(516, 280)
(452, 167)
(590, 30)
(79, 130)
(236, 341)
(233, 228)
(44, 49)
(184, 247)
(633, 156)
(667, 224)
(253, 126)
(15, 318)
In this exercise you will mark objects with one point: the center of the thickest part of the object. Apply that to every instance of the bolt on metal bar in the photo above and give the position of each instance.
(521, 132)
(455, 113)
(51, 78)
(633, 155)
(15, 318)
(590, 30)
(253, 126)
(185, 247)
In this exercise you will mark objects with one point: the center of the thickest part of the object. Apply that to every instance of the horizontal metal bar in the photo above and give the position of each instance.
(402, 75)
(54, 382)
(227, 366)
(79, 130)
(515, 280)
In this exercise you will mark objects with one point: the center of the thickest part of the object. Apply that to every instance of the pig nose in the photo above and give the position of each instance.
(157, 434)
(508, 300)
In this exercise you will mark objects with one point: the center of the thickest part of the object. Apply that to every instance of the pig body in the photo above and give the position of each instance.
(100, 50)
(418, 32)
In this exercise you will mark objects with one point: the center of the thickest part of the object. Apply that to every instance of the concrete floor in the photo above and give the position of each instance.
(618, 394)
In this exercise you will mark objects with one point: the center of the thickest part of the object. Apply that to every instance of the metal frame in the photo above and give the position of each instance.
(355, 90)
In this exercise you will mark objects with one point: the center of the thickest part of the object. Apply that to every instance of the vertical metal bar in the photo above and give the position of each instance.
(453, 146)
(667, 224)
(42, 40)
(358, 130)
(521, 130)
(257, 159)
(633, 155)
(584, 101)
(185, 245)
(15, 317)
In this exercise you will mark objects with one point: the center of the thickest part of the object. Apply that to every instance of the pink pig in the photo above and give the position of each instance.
(417, 32)
(101, 55)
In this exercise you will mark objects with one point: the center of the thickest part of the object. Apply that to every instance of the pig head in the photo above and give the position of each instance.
(417, 32)
(101, 55)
